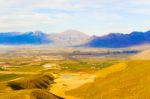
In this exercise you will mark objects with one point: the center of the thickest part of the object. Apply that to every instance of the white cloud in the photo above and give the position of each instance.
(28, 14)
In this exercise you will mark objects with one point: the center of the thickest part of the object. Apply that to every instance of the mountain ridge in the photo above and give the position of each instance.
(118, 40)
(17, 38)
(74, 38)
(66, 38)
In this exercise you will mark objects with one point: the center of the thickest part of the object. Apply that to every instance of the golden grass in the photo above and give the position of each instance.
(34, 87)
(70, 81)
(29, 94)
(28, 69)
(40, 81)
(43, 94)
(131, 83)
(21, 94)
(109, 70)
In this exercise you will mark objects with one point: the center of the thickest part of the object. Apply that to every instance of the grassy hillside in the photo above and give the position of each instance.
(39, 81)
(32, 87)
(130, 83)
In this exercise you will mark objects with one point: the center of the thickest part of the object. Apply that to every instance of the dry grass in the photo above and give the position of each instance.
(43, 94)
(28, 94)
(41, 82)
(130, 83)
(34, 87)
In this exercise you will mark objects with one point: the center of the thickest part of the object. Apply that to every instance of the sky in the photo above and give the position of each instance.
(94, 17)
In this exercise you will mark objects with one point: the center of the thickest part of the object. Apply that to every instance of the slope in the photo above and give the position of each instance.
(130, 83)
(144, 55)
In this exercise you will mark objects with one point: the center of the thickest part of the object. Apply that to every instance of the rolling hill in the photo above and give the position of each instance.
(132, 82)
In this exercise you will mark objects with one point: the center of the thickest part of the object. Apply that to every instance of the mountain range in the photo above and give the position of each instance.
(17, 38)
(76, 38)
(118, 40)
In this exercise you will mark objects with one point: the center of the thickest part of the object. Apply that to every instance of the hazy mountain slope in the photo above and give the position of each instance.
(144, 55)
(69, 38)
(24, 38)
(117, 40)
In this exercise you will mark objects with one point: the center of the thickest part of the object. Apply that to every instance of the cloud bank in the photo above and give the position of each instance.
(90, 16)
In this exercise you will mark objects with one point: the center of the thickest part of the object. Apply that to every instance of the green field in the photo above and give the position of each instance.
(87, 64)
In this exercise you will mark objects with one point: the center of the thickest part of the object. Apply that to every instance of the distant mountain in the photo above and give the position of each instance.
(69, 38)
(144, 55)
(14, 38)
(118, 40)
(66, 38)
(75, 38)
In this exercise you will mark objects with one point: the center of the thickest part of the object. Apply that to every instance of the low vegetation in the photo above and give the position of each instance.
(7, 77)
(91, 63)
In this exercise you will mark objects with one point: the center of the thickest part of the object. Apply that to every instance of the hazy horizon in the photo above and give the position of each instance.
(89, 34)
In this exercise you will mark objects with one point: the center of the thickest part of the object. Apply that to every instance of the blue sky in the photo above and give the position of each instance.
(94, 17)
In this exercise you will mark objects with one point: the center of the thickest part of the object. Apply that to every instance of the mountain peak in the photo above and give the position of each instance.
(69, 38)
(36, 33)
(73, 32)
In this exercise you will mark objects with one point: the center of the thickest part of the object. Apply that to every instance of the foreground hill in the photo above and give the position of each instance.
(12, 38)
(132, 82)
(118, 40)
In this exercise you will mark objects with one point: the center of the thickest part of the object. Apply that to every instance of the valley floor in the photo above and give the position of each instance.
(72, 74)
